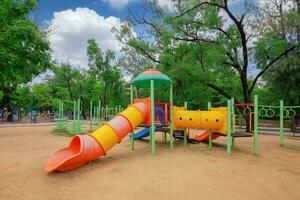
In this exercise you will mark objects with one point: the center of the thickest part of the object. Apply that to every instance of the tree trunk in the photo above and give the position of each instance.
(247, 99)
(5, 104)
(82, 108)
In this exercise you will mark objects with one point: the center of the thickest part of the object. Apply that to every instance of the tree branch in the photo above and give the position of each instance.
(240, 26)
(197, 6)
(269, 65)
(220, 90)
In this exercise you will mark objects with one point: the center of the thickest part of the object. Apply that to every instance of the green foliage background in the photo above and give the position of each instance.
(193, 61)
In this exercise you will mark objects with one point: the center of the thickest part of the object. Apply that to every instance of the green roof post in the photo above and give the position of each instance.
(209, 131)
(166, 117)
(152, 117)
(255, 139)
(233, 122)
(228, 127)
(131, 101)
(281, 123)
(171, 116)
(185, 129)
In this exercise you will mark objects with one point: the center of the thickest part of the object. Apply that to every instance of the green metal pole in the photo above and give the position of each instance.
(99, 113)
(281, 123)
(171, 117)
(228, 127)
(240, 122)
(78, 114)
(59, 114)
(131, 101)
(58, 120)
(74, 116)
(91, 115)
(166, 118)
(62, 115)
(152, 117)
(106, 113)
(233, 124)
(94, 116)
(255, 142)
(185, 130)
(209, 131)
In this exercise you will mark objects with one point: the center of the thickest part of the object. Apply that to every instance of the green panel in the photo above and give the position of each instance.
(143, 80)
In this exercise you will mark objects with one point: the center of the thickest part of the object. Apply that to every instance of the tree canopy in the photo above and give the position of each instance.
(24, 51)
(211, 53)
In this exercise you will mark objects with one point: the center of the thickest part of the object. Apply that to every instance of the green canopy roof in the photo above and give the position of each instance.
(143, 80)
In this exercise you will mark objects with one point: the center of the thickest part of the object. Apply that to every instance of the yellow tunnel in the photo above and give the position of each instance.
(215, 119)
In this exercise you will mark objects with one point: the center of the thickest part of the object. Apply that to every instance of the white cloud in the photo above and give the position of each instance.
(70, 30)
(168, 4)
(118, 4)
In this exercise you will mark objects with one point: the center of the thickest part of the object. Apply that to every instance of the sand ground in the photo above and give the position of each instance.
(186, 172)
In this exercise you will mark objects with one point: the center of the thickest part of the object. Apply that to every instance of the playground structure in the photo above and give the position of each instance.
(162, 117)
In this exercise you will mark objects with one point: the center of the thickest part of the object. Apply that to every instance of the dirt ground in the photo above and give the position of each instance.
(186, 172)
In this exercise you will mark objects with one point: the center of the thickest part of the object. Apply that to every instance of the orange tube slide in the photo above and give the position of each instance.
(85, 148)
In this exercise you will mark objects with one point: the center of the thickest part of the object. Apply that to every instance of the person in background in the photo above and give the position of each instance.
(21, 114)
(33, 116)
(1, 113)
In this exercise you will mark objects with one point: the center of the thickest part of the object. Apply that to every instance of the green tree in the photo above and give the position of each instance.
(131, 63)
(204, 39)
(42, 98)
(278, 24)
(22, 97)
(101, 67)
(24, 51)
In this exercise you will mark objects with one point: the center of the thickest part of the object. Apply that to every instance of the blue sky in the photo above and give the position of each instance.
(48, 7)
(104, 8)
(73, 22)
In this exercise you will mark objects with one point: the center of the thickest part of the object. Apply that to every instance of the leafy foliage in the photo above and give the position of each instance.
(24, 52)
